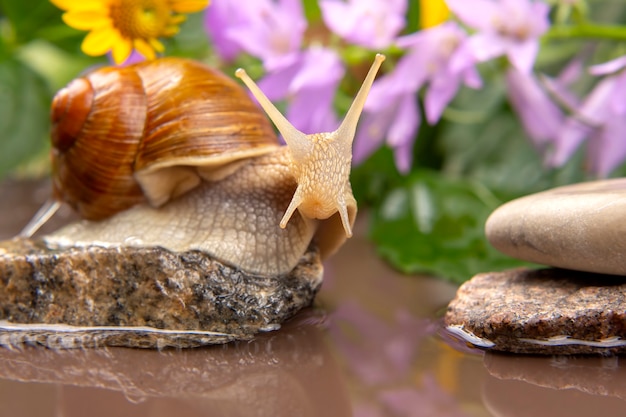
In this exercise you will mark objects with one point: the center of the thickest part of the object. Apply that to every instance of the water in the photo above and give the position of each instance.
(372, 346)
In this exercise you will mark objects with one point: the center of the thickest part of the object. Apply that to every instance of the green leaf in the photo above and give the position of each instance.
(24, 110)
(432, 224)
(30, 18)
(312, 11)
(192, 41)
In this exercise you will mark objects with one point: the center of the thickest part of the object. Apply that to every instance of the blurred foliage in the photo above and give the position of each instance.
(430, 221)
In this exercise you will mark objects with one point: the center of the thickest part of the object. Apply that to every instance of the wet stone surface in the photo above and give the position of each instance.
(140, 297)
(545, 311)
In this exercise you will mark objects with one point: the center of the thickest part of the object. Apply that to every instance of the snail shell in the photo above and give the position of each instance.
(151, 131)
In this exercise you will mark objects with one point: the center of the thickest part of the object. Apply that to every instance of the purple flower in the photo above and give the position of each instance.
(541, 117)
(607, 147)
(269, 30)
(392, 113)
(505, 27)
(430, 60)
(394, 119)
(602, 119)
(272, 30)
(617, 101)
(218, 19)
(370, 23)
(309, 96)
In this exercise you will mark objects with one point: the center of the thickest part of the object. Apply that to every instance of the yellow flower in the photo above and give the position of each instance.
(433, 12)
(120, 26)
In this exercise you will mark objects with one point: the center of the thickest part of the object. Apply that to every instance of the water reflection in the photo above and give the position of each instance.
(381, 354)
(285, 373)
(558, 386)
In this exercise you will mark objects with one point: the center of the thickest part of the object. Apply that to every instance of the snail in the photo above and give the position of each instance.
(171, 153)
(199, 226)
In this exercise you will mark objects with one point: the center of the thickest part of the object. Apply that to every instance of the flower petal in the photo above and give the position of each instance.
(402, 132)
(609, 67)
(188, 6)
(471, 78)
(477, 14)
(144, 48)
(370, 23)
(276, 84)
(312, 111)
(177, 19)
(86, 19)
(618, 101)
(440, 92)
(121, 50)
(74, 5)
(607, 148)
(316, 61)
(217, 20)
(100, 41)
(405, 123)
(597, 107)
(486, 46)
(371, 133)
(591, 116)
(567, 141)
(523, 55)
(170, 31)
(433, 13)
(156, 45)
(540, 117)
(337, 17)
(403, 157)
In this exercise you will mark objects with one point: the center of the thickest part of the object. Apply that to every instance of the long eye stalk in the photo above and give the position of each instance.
(322, 159)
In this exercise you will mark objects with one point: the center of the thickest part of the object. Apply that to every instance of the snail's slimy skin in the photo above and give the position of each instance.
(236, 220)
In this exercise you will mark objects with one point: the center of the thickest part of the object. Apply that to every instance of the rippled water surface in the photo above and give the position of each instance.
(370, 347)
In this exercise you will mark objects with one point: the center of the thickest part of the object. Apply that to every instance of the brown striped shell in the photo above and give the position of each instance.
(150, 131)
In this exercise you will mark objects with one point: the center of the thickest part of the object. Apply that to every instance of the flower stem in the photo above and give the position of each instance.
(587, 31)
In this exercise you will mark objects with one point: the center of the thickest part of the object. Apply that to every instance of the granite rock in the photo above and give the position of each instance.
(151, 297)
(580, 227)
(544, 311)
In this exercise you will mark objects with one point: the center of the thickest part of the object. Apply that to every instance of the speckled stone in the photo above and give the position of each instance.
(545, 311)
(140, 297)
(580, 227)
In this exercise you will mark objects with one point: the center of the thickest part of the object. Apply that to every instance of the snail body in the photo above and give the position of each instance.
(197, 166)
(258, 193)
